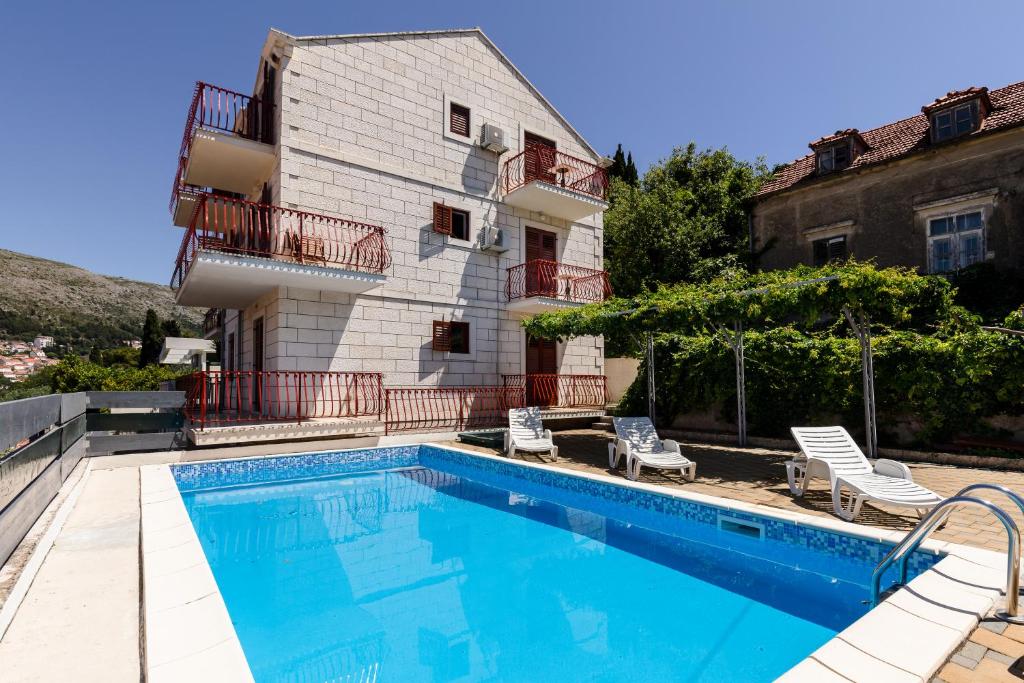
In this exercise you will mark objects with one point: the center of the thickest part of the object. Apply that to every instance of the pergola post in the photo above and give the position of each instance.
(650, 377)
(860, 323)
(735, 341)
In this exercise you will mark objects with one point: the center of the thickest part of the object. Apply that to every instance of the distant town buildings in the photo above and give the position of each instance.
(19, 360)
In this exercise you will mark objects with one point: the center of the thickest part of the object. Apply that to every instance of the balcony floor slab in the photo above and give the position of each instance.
(553, 200)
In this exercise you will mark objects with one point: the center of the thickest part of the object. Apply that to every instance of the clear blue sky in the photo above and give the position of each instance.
(95, 93)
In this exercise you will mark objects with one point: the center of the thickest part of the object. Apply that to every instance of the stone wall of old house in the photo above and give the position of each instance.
(884, 210)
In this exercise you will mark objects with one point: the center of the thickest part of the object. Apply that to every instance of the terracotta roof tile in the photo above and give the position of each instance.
(902, 138)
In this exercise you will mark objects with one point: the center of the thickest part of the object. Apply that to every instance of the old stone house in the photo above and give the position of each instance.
(938, 191)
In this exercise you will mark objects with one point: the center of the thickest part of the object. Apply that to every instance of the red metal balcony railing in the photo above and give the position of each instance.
(226, 111)
(223, 397)
(561, 391)
(433, 409)
(238, 226)
(548, 165)
(557, 281)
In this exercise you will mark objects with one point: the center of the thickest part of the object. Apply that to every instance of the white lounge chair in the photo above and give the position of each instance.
(636, 438)
(831, 453)
(526, 433)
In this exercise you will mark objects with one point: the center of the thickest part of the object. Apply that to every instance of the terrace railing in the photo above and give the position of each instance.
(557, 281)
(238, 226)
(561, 391)
(223, 110)
(224, 397)
(548, 165)
(212, 320)
(442, 409)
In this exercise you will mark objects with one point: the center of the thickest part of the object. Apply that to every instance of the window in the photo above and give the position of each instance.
(458, 119)
(460, 224)
(449, 221)
(834, 158)
(829, 249)
(955, 242)
(954, 121)
(451, 337)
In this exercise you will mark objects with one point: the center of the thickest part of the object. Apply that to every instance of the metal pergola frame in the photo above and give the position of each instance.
(733, 335)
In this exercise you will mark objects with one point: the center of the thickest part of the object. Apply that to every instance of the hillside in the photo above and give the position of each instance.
(78, 307)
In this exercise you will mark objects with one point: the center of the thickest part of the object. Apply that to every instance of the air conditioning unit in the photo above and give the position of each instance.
(493, 138)
(494, 240)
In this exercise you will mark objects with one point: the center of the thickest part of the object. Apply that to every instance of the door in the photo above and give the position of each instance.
(540, 158)
(541, 372)
(541, 269)
(257, 365)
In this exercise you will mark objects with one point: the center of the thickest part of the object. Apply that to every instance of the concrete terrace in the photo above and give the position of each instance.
(89, 628)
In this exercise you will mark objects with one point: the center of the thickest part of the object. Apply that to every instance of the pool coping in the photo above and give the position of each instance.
(189, 634)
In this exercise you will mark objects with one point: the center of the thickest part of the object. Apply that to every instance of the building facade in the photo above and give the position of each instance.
(937, 192)
(390, 204)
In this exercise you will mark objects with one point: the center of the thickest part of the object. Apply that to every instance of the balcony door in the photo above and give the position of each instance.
(540, 158)
(541, 359)
(541, 278)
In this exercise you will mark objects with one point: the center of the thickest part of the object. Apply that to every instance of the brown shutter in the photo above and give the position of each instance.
(442, 336)
(442, 219)
(459, 123)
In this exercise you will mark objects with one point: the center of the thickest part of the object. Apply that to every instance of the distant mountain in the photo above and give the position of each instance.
(77, 307)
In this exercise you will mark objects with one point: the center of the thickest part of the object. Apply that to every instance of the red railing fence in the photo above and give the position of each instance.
(238, 226)
(548, 165)
(558, 281)
(227, 111)
(434, 409)
(224, 397)
(561, 391)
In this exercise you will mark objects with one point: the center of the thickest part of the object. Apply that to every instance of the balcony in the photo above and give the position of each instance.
(227, 145)
(218, 398)
(544, 180)
(539, 286)
(213, 321)
(235, 251)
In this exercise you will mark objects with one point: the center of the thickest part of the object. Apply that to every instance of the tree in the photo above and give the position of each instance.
(623, 167)
(630, 175)
(96, 355)
(152, 339)
(171, 328)
(686, 221)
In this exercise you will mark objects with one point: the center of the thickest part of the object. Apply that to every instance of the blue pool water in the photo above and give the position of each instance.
(444, 569)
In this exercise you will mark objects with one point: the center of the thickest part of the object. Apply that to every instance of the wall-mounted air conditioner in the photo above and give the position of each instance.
(494, 240)
(493, 138)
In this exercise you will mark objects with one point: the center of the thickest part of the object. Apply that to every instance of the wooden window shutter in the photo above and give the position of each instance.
(442, 336)
(442, 219)
(459, 119)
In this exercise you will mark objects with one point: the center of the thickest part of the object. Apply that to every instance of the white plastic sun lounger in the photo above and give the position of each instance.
(636, 438)
(526, 433)
(831, 453)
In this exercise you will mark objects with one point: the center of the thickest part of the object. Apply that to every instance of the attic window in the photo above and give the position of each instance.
(834, 158)
(955, 121)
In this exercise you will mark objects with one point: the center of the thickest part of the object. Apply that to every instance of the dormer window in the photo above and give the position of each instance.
(838, 151)
(955, 121)
(958, 113)
(834, 158)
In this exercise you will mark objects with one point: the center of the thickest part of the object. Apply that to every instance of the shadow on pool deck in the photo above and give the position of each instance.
(758, 475)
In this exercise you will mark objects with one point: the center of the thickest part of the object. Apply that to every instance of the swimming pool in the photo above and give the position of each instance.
(419, 563)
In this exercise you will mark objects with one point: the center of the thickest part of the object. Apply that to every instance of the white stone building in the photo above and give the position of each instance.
(393, 204)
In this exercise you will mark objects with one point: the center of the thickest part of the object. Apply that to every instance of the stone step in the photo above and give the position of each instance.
(606, 419)
(602, 426)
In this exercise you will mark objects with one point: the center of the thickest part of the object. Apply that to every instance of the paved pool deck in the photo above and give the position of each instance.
(79, 619)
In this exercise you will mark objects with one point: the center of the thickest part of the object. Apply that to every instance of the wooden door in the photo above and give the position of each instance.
(541, 273)
(541, 359)
(540, 158)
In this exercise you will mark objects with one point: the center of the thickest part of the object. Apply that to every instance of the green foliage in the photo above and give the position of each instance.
(75, 374)
(988, 292)
(36, 384)
(122, 356)
(152, 339)
(943, 385)
(623, 167)
(684, 222)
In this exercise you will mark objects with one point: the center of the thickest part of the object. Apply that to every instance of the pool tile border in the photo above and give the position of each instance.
(908, 637)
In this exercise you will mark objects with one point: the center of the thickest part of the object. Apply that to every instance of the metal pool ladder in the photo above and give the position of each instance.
(938, 516)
